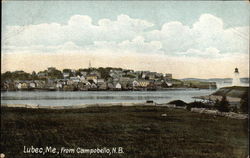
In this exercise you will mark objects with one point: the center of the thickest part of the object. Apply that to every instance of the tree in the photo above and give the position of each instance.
(217, 103)
(244, 103)
(224, 105)
(56, 74)
(34, 75)
(5, 76)
(78, 73)
(69, 71)
(130, 76)
(104, 72)
(66, 70)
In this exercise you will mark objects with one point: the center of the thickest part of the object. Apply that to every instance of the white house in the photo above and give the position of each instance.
(101, 80)
(59, 85)
(83, 73)
(135, 83)
(118, 86)
(65, 74)
(18, 85)
(32, 84)
(93, 85)
(75, 79)
(168, 83)
(82, 79)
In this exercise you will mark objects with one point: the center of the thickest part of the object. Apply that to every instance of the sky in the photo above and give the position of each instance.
(201, 39)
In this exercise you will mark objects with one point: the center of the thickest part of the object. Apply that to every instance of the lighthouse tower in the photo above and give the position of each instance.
(236, 79)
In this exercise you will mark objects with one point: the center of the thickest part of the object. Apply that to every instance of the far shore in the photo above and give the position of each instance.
(108, 90)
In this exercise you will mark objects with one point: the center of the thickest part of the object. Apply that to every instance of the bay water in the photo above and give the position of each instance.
(67, 98)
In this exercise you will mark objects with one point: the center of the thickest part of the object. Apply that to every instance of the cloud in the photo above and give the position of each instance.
(136, 45)
(208, 52)
(206, 38)
(79, 29)
(174, 36)
(207, 32)
(208, 25)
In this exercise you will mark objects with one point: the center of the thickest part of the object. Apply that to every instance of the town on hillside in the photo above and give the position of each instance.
(94, 79)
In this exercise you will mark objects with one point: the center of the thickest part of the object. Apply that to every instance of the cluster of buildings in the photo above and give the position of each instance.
(93, 79)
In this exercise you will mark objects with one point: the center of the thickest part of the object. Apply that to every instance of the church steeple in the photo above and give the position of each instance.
(89, 64)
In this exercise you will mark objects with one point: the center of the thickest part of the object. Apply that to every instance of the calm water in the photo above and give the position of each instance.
(91, 97)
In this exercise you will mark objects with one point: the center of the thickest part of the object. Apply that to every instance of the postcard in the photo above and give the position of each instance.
(158, 79)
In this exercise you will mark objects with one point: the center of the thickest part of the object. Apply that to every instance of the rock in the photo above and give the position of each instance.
(199, 110)
(147, 129)
(163, 115)
(170, 105)
(2, 155)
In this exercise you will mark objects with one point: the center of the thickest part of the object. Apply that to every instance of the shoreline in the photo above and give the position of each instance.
(33, 106)
(206, 111)
(108, 90)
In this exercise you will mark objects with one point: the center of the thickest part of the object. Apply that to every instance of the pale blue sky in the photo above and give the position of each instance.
(234, 13)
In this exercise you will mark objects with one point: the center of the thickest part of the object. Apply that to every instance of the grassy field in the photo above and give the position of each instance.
(141, 131)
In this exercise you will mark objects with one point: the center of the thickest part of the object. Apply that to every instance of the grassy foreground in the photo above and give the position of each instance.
(141, 131)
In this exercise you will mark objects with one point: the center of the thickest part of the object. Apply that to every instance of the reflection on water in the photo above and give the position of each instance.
(91, 97)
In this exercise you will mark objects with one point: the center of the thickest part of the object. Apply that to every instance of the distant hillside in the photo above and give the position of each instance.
(236, 91)
(225, 80)
(201, 79)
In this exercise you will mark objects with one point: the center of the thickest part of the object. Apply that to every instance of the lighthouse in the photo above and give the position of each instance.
(236, 79)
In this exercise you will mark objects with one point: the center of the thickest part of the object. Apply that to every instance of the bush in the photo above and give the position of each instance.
(178, 103)
(224, 105)
(217, 103)
(234, 109)
(244, 105)
(197, 105)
